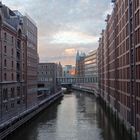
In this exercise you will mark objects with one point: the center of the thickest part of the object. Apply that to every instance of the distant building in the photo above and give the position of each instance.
(79, 70)
(59, 70)
(47, 74)
(72, 71)
(86, 66)
(68, 71)
(30, 30)
(90, 64)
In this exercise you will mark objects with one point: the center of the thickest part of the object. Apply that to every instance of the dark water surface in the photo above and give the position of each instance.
(76, 117)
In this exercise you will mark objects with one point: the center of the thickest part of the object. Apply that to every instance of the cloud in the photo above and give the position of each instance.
(71, 37)
(65, 24)
(66, 53)
(70, 51)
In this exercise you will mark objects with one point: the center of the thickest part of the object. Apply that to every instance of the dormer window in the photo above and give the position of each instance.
(19, 33)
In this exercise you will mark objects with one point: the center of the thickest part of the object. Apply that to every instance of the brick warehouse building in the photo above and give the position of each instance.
(13, 64)
(30, 29)
(47, 75)
(119, 62)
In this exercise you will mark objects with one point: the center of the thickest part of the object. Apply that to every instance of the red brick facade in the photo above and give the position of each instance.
(119, 64)
(12, 69)
(15, 57)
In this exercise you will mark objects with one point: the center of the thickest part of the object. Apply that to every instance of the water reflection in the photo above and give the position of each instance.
(76, 117)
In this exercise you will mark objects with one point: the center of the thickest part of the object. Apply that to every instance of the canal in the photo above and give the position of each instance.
(77, 116)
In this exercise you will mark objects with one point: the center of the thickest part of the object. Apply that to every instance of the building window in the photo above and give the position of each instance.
(12, 76)
(18, 91)
(12, 105)
(6, 108)
(12, 92)
(18, 44)
(5, 76)
(5, 94)
(5, 63)
(18, 102)
(5, 49)
(19, 33)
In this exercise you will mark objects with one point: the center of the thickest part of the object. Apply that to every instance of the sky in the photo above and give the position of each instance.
(65, 26)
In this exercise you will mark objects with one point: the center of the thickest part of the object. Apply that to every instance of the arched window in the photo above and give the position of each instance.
(12, 76)
(12, 64)
(12, 92)
(12, 39)
(5, 94)
(5, 76)
(5, 49)
(19, 33)
(5, 63)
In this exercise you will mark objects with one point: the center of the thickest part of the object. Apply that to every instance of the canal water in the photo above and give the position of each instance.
(76, 117)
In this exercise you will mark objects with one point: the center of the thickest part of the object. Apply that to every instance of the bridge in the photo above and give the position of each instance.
(76, 80)
(88, 84)
(68, 82)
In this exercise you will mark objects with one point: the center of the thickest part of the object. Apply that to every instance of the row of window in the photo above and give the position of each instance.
(5, 63)
(12, 93)
(12, 77)
(137, 36)
(46, 79)
(5, 37)
(122, 88)
(46, 67)
(46, 73)
(5, 50)
(138, 54)
(137, 18)
(12, 52)
(5, 76)
(5, 105)
(136, 4)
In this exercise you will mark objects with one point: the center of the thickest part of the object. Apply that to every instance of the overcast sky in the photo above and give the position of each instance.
(65, 26)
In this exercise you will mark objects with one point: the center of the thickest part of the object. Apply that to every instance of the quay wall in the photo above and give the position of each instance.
(116, 120)
(11, 125)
